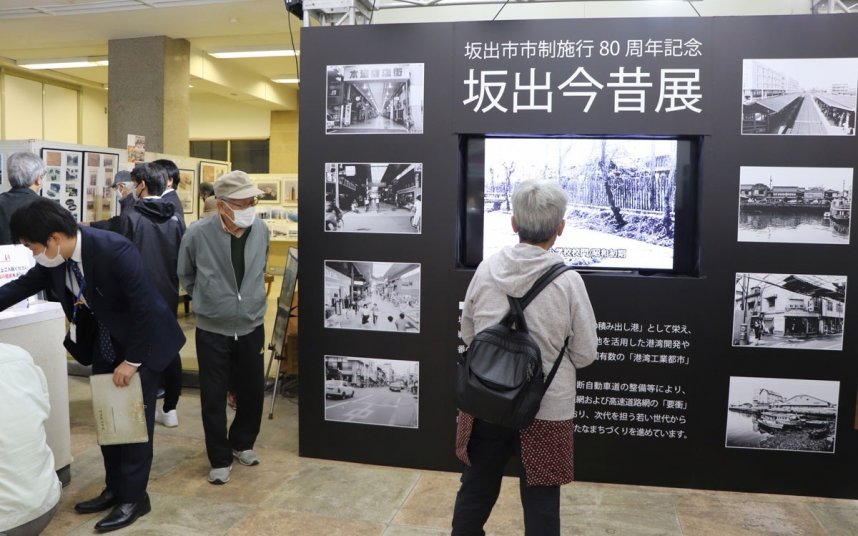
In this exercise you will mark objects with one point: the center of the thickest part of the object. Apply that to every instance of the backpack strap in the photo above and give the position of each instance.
(556, 364)
(543, 282)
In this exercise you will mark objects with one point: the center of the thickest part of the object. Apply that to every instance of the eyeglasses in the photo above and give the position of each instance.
(240, 203)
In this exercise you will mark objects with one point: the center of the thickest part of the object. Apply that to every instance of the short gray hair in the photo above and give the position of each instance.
(24, 168)
(538, 207)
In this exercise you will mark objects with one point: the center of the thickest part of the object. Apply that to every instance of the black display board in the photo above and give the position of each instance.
(698, 375)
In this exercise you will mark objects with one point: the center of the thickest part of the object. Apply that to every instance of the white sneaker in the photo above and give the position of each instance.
(246, 457)
(170, 419)
(219, 475)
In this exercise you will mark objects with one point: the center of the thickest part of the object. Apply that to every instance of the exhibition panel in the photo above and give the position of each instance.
(708, 165)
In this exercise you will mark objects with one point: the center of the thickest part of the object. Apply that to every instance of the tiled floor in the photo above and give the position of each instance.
(289, 495)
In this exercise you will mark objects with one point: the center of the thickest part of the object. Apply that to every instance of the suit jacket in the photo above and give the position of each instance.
(144, 330)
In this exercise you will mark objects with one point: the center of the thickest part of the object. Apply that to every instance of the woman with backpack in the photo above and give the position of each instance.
(561, 310)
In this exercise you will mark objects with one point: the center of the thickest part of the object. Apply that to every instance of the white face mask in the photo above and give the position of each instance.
(243, 218)
(49, 262)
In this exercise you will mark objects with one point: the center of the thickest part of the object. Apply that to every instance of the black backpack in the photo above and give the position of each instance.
(500, 378)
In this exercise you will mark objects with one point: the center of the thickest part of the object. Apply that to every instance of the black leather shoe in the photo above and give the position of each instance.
(123, 515)
(105, 500)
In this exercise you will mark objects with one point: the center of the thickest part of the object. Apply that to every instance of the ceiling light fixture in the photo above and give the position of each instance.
(285, 79)
(254, 52)
(63, 63)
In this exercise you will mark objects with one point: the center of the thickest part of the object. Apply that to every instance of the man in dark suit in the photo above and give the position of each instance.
(173, 180)
(26, 173)
(119, 324)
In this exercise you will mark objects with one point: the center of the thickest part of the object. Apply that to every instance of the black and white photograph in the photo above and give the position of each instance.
(782, 414)
(375, 99)
(378, 296)
(363, 390)
(794, 311)
(802, 97)
(799, 205)
(621, 197)
(374, 197)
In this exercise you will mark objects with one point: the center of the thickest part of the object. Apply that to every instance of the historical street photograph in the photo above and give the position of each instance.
(802, 97)
(363, 390)
(621, 197)
(794, 311)
(782, 414)
(379, 296)
(805, 205)
(375, 99)
(374, 198)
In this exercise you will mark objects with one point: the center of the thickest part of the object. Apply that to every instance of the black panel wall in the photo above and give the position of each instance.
(702, 302)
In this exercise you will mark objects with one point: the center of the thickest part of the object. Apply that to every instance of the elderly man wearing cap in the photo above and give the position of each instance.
(221, 265)
(124, 186)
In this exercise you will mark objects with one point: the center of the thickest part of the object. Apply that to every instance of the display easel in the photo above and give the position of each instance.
(286, 310)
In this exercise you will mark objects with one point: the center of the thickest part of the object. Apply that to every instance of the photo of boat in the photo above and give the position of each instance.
(779, 421)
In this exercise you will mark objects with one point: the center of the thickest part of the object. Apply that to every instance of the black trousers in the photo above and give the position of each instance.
(489, 450)
(126, 467)
(236, 364)
(172, 379)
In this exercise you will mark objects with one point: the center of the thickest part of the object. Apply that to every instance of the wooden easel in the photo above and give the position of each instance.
(287, 308)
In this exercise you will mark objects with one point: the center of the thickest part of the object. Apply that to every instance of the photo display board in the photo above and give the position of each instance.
(709, 165)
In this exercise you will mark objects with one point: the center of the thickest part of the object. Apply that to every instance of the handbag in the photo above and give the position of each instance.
(500, 377)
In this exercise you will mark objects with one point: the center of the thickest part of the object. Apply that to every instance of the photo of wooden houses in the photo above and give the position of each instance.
(796, 311)
(795, 205)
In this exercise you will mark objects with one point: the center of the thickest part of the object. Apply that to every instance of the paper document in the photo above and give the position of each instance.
(120, 416)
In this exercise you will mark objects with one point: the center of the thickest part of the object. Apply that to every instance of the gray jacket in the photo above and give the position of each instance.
(562, 308)
(221, 304)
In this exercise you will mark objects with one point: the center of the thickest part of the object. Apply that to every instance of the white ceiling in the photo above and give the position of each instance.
(33, 29)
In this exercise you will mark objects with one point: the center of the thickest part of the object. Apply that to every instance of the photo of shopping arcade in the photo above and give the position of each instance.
(380, 296)
(375, 99)
(789, 311)
(776, 102)
(373, 197)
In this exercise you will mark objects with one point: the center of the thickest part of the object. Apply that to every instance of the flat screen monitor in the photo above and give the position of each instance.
(632, 202)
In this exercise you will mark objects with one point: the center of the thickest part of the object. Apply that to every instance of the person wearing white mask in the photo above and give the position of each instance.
(231, 250)
(87, 270)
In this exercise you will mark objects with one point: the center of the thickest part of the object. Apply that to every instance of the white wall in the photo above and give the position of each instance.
(93, 104)
(593, 9)
(213, 117)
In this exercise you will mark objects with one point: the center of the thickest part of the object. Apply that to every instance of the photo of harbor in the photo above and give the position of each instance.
(804, 97)
(782, 414)
(795, 205)
(794, 311)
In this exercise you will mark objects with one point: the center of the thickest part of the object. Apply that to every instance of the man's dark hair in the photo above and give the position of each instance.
(38, 220)
(206, 189)
(172, 171)
(154, 175)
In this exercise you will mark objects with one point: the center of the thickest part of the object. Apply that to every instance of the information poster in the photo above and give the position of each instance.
(99, 197)
(63, 178)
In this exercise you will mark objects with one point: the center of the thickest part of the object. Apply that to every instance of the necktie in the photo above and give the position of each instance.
(104, 344)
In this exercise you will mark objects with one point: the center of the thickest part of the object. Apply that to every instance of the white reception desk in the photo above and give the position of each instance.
(40, 330)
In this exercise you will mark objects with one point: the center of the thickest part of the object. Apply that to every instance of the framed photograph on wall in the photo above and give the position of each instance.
(211, 171)
(782, 414)
(187, 190)
(368, 390)
(270, 190)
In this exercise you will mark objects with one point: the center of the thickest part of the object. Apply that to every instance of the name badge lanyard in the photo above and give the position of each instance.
(78, 302)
